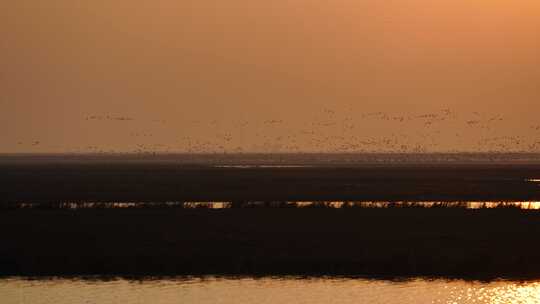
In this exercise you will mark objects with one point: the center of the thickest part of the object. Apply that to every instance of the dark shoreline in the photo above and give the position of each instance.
(368, 242)
(397, 242)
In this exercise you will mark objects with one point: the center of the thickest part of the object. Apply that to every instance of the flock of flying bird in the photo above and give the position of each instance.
(327, 132)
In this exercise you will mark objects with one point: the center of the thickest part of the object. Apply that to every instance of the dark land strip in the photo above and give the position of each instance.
(162, 182)
(393, 242)
(448, 242)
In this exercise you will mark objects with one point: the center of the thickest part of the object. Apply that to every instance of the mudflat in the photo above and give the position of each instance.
(167, 181)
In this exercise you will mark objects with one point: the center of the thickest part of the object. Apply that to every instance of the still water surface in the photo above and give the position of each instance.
(265, 290)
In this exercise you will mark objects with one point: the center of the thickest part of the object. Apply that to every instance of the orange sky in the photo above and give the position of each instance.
(267, 76)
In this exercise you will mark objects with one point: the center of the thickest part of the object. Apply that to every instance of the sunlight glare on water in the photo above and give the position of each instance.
(266, 290)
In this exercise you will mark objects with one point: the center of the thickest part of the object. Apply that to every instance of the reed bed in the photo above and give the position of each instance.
(481, 243)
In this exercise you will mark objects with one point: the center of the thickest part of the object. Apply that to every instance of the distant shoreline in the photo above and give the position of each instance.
(311, 158)
(29, 182)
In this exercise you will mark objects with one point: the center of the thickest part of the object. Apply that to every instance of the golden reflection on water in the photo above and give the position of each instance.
(378, 204)
(265, 290)
(515, 294)
(297, 204)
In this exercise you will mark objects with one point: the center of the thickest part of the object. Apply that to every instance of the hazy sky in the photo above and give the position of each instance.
(280, 75)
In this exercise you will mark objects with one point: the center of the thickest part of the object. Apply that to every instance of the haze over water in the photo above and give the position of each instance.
(269, 76)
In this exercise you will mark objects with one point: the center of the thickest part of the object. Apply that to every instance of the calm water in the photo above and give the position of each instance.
(267, 290)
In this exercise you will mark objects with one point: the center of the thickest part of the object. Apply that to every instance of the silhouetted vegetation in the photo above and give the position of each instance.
(453, 242)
